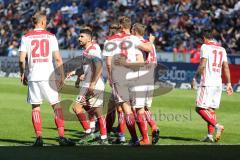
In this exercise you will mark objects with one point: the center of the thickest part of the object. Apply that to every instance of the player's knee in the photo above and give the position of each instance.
(119, 109)
(36, 107)
(77, 109)
(140, 110)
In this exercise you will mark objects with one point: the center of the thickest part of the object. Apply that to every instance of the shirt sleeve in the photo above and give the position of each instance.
(23, 45)
(204, 51)
(225, 56)
(95, 54)
(108, 48)
(54, 44)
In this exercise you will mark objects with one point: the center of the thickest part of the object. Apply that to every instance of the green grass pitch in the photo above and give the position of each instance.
(174, 112)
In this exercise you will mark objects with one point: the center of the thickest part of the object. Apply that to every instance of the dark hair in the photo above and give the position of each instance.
(86, 31)
(113, 28)
(38, 16)
(207, 33)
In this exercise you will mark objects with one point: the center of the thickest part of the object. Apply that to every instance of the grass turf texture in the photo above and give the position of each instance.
(174, 111)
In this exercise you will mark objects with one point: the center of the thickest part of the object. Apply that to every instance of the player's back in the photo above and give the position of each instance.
(215, 55)
(39, 46)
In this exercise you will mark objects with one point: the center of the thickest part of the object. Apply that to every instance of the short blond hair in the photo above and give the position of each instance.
(125, 22)
(38, 16)
(139, 28)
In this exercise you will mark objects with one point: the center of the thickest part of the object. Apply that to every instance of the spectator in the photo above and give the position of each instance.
(170, 21)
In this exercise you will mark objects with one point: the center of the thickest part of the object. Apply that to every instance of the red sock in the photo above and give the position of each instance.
(121, 123)
(102, 126)
(152, 123)
(206, 115)
(110, 119)
(59, 121)
(37, 122)
(83, 120)
(130, 121)
(211, 128)
(143, 126)
(91, 117)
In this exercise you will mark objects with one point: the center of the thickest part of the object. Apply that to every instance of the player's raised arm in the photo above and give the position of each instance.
(147, 46)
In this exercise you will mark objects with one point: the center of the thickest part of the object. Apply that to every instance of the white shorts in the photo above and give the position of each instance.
(38, 90)
(93, 101)
(208, 97)
(142, 96)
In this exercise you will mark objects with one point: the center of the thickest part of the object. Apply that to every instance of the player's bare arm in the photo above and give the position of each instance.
(132, 65)
(109, 69)
(22, 58)
(199, 71)
(59, 63)
(226, 71)
(147, 46)
(97, 72)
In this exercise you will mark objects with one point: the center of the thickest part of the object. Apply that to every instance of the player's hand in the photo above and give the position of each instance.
(82, 77)
(24, 80)
(121, 61)
(110, 82)
(151, 38)
(60, 84)
(91, 89)
(229, 89)
(70, 74)
(193, 84)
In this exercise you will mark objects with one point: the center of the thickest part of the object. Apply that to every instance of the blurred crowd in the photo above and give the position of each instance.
(177, 24)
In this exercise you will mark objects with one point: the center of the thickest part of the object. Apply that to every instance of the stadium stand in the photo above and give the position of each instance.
(174, 22)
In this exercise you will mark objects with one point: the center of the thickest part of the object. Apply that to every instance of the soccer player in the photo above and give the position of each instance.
(144, 90)
(124, 46)
(39, 46)
(109, 46)
(111, 114)
(213, 60)
(91, 93)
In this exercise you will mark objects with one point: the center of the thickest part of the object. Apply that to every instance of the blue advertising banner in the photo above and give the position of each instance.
(176, 72)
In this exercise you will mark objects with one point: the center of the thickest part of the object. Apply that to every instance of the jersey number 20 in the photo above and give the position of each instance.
(43, 46)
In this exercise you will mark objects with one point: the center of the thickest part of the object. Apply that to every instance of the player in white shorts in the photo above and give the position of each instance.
(39, 46)
(124, 46)
(144, 88)
(92, 89)
(112, 106)
(213, 60)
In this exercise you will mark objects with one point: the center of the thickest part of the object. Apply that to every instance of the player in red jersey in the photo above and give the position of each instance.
(213, 60)
(39, 47)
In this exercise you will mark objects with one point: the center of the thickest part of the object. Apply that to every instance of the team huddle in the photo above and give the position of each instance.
(130, 62)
